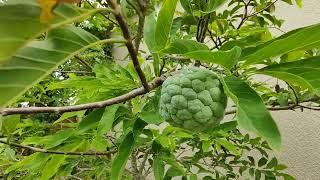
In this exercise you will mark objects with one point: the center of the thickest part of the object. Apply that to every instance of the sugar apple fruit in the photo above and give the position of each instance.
(193, 99)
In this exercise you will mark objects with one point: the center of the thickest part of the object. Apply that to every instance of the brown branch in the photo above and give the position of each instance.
(139, 32)
(140, 10)
(34, 149)
(131, 49)
(125, 97)
(245, 14)
(311, 108)
(83, 62)
(106, 17)
(213, 40)
(285, 108)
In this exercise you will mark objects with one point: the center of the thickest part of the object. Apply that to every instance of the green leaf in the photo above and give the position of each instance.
(226, 59)
(252, 114)
(229, 146)
(34, 161)
(257, 174)
(52, 166)
(172, 172)
(9, 154)
(170, 159)
(252, 161)
(262, 161)
(299, 3)
(91, 120)
(184, 46)
(303, 38)
(149, 32)
(288, 1)
(51, 141)
(151, 117)
(186, 5)
(150, 112)
(121, 159)
(20, 23)
(212, 5)
(106, 121)
(8, 124)
(288, 177)
(39, 58)
(304, 73)
(193, 177)
(206, 146)
(280, 167)
(150, 40)
(273, 163)
(158, 168)
(227, 126)
(198, 51)
(69, 115)
(164, 23)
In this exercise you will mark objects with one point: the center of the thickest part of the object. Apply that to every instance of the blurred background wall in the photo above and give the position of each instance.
(300, 130)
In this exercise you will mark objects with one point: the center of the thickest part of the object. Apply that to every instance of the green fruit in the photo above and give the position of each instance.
(193, 99)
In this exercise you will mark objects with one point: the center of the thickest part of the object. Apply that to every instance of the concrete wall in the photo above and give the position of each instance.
(300, 130)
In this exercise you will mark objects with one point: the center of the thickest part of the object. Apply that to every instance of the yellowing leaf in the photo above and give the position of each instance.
(46, 10)
(47, 7)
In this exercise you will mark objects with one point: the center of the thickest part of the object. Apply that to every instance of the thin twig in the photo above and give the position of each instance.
(83, 62)
(139, 32)
(34, 149)
(141, 14)
(213, 40)
(131, 49)
(144, 160)
(100, 104)
(147, 172)
(285, 108)
(75, 177)
(245, 14)
(103, 14)
(307, 107)
(135, 165)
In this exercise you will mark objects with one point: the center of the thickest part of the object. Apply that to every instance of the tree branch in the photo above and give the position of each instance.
(131, 49)
(125, 97)
(213, 40)
(83, 62)
(285, 108)
(103, 14)
(34, 149)
(245, 14)
(140, 31)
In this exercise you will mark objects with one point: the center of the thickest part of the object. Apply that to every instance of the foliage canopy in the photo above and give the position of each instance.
(75, 105)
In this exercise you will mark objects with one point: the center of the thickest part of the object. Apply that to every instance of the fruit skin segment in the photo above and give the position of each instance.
(193, 99)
